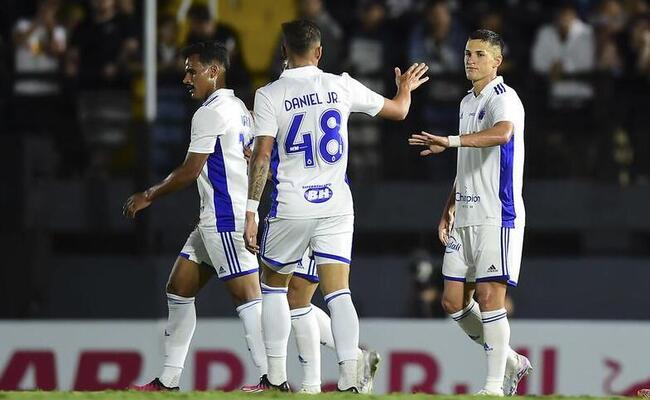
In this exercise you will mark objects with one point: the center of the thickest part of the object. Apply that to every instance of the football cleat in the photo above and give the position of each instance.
(154, 386)
(367, 366)
(266, 386)
(515, 374)
(485, 392)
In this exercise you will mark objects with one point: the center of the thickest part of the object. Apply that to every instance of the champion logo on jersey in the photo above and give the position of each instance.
(318, 194)
(222, 270)
(492, 269)
(481, 115)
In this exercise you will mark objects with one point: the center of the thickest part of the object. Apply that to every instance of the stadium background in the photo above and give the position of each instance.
(77, 136)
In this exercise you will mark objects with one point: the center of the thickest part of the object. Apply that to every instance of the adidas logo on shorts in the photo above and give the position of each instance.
(222, 270)
(492, 269)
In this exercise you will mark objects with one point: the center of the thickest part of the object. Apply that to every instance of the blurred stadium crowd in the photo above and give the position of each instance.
(71, 76)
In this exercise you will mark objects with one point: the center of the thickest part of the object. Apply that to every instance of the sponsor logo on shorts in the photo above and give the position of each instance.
(222, 270)
(492, 269)
(452, 245)
(487, 347)
(318, 194)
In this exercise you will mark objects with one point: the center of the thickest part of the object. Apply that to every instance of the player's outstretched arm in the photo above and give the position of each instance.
(182, 176)
(398, 107)
(258, 170)
(499, 134)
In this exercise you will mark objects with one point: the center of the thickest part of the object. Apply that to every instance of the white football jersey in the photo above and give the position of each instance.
(307, 111)
(221, 127)
(489, 180)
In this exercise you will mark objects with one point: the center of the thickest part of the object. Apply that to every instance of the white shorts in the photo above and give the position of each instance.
(483, 253)
(224, 251)
(285, 241)
(306, 268)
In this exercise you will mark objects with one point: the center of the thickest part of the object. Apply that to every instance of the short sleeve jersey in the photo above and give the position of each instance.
(221, 127)
(306, 111)
(489, 180)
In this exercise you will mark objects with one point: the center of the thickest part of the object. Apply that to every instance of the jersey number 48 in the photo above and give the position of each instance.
(330, 145)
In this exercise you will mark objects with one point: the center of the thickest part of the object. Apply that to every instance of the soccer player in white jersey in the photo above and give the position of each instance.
(482, 224)
(312, 327)
(301, 130)
(215, 160)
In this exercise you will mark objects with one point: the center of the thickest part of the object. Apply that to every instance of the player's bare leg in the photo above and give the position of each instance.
(334, 284)
(306, 331)
(247, 297)
(276, 325)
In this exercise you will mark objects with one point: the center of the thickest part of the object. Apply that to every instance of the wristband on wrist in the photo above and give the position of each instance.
(252, 205)
(454, 141)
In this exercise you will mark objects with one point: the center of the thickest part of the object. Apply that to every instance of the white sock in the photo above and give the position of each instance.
(469, 319)
(305, 328)
(345, 329)
(324, 326)
(276, 327)
(181, 322)
(251, 316)
(496, 333)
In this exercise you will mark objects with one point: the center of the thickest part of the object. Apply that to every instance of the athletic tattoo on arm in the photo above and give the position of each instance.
(259, 170)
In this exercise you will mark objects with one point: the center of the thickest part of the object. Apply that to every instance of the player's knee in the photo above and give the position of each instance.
(245, 294)
(485, 298)
(179, 290)
(451, 304)
(297, 299)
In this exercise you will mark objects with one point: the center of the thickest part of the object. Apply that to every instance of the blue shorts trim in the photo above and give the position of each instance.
(276, 264)
(187, 257)
(332, 257)
(238, 274)
(453, 278)
(499, 278)
(307, 277)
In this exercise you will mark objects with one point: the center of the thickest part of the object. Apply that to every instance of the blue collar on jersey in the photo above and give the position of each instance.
(489, 86)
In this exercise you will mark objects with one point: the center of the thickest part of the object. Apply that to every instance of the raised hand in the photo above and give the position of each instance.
(435, 144)
(411, 79)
